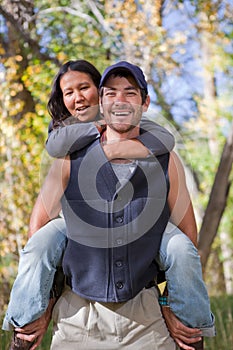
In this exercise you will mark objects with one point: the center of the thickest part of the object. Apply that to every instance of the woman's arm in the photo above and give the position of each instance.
(70, 138)
(155, 137)
(67, 139)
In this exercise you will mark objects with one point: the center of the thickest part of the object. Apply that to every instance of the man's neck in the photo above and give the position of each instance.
(113, 135)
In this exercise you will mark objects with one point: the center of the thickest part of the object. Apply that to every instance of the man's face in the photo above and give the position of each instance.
(121, 103)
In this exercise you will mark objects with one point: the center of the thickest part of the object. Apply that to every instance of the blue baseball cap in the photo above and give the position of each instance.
(135, 71)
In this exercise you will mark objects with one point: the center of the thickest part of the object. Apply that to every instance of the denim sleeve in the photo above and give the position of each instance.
(70, 138)
(155, 137)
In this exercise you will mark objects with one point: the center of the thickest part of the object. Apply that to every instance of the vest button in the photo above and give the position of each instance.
(119, 241)
(119, 285)
(119, 219)
(119, 263)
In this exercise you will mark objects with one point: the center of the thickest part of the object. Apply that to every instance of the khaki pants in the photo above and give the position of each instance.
(135, 325)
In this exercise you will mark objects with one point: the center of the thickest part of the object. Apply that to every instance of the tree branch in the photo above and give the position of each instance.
(26, 37)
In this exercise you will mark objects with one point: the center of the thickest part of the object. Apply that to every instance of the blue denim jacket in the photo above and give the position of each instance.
(114, 231)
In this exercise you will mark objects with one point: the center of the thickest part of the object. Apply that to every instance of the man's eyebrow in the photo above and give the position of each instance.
(109, 88)
(131, 87)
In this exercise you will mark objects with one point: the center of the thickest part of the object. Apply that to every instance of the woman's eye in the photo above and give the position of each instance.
(68, 93)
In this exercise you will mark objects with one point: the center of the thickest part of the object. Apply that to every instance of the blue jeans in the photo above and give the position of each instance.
(37, 266)
(42, 254)
(187, 293)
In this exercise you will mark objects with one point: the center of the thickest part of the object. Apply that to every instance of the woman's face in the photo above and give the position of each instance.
(80, 95)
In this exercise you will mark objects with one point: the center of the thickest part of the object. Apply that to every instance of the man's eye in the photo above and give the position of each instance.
(84, 87)
(110, 93)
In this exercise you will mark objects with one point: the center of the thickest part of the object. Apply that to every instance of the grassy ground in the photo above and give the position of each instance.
(222, 308)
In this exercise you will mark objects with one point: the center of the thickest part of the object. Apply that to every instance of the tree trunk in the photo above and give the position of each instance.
(227, 261)
(217, 201)
(215, 285)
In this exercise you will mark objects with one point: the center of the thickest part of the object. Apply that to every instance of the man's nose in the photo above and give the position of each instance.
(120, 98)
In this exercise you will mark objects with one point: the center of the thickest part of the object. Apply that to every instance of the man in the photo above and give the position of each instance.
(115, 216)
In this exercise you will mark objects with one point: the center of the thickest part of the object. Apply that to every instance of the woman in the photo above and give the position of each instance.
(67, 108)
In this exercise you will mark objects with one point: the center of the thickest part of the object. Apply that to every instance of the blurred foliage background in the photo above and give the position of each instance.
(185, 50)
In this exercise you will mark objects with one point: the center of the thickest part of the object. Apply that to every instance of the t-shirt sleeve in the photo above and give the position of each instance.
(70, 138)
(155, 137)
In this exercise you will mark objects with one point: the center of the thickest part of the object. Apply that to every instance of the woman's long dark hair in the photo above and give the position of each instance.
(56, 107)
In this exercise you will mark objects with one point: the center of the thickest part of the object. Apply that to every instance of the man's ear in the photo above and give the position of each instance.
(100, 105)
(146, 104)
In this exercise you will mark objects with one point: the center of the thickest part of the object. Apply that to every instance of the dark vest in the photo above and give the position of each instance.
(114, 232)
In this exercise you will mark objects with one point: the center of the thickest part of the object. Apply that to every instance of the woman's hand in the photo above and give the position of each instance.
(125, 149)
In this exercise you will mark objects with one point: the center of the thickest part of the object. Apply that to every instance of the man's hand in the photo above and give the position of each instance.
(36, 330)
(183, 336)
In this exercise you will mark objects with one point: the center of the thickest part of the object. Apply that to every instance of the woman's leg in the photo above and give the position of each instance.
(37, 266)
(187, 293)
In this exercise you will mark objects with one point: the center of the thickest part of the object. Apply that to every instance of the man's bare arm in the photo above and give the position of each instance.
(48, 205)
(184, 336)
(182, 214)
(46, 208)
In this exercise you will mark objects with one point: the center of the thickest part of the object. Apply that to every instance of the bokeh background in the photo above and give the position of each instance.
(185, 50)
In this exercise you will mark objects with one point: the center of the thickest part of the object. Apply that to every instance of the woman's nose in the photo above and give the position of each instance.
(78, 96)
